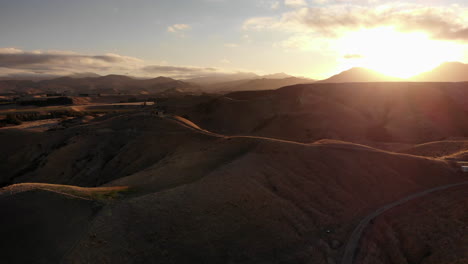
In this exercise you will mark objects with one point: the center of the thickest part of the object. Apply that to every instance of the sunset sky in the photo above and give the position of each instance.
(183, 39)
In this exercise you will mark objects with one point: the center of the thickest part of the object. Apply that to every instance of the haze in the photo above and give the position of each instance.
(313, 38)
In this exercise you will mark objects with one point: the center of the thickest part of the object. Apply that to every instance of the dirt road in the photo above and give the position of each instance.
(353, 242)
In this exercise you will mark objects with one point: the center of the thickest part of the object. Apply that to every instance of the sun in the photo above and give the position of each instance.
(395, 53)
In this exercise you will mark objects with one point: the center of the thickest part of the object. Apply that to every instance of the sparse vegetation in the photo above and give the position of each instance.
(19, 118)
(48, 101)
(12, 119)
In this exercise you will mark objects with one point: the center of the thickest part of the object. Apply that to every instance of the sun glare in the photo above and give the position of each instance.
(396, 53)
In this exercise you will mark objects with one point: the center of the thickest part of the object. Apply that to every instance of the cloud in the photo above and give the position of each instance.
(10, 51)
(275, 5)
(180, 71)
(178, 28)
(62, 62)
(346, 1)
(298, 42)
(295, 3)
(32, 60)
(331, 21)
(353, 56)
(17, 63)
(231, 45)
(260, 23)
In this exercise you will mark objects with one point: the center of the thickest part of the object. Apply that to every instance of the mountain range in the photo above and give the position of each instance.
(110, 84)
(89, 83)
(446, 72)
(81, 83)
(360, 75)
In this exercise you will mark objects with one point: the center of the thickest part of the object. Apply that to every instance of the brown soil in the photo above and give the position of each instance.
(270, 196)
(429, 230)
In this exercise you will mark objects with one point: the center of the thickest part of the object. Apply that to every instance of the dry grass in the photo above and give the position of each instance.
(98, 193)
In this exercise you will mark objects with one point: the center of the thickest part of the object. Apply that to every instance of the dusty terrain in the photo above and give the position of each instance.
(428, 230)
(249, 177)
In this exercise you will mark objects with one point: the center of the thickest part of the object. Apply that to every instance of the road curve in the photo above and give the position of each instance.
(353, 241)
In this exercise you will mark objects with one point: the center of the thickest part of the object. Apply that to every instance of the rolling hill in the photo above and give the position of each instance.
(255, 84)
(275, 176)
(193, 196)
(357, 112)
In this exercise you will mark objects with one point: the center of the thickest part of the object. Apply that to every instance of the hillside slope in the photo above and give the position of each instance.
(255, 84)
(358, 112)
(428, 230)
(199, 197)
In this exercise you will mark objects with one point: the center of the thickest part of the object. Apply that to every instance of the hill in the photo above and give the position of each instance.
(360, 75)
(357, 112)
(255, 84)
(446, 72)
(438, 149)
(195, 196)
(422, 231)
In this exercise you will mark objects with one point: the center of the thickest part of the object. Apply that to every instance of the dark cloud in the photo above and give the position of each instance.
(25, 59)
(60, 63)
(15, 62)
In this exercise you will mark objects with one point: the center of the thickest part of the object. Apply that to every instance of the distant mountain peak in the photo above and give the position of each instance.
(360, 74)
(280, 75)
(116, 76)
(84, 75)
(446, 72)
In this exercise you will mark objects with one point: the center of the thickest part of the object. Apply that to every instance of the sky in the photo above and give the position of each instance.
(190, 38)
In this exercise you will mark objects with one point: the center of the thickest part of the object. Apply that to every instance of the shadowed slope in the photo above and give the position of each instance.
(201, 197)
(273, 204)
(357, 112)
(40, 226)
(96, 153)
(429, 230)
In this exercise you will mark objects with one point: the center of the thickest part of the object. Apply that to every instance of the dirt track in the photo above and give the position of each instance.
(353, 242)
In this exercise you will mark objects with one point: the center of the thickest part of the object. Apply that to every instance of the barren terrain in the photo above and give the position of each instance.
(280, 176)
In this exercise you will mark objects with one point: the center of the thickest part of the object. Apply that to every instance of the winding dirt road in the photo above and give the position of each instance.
(353, 241)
